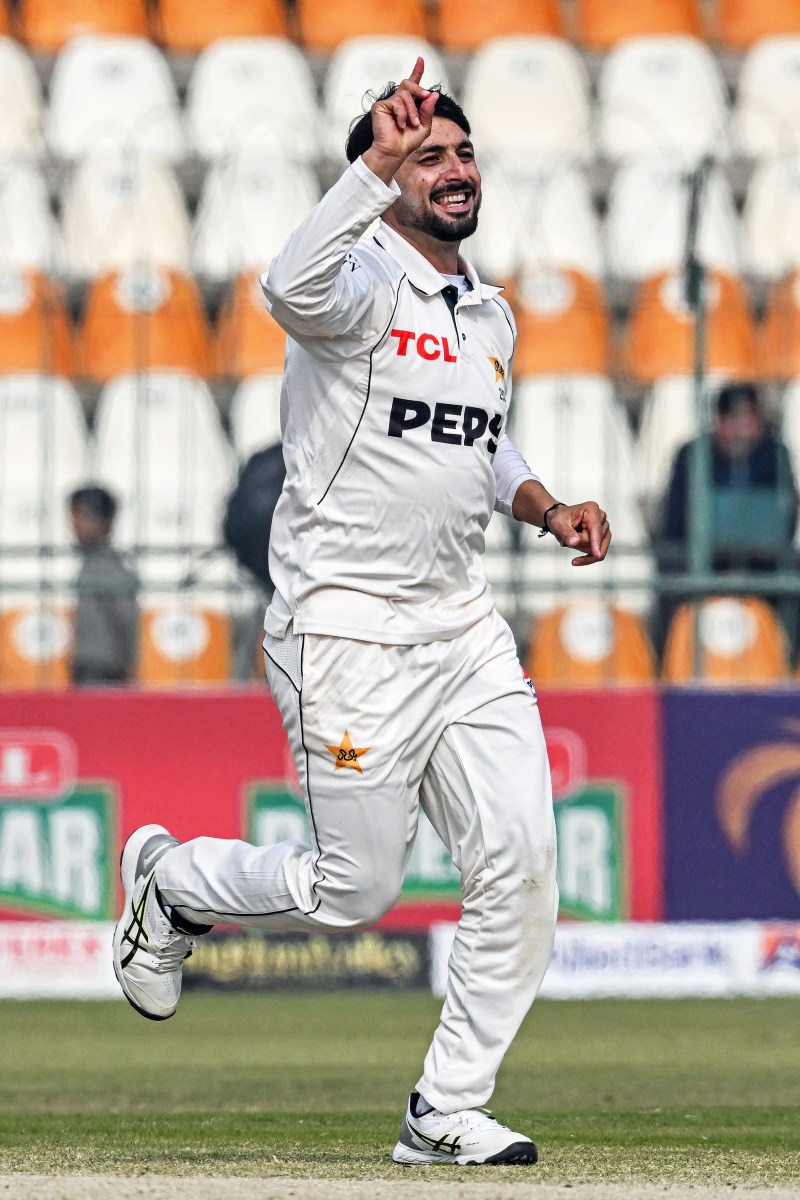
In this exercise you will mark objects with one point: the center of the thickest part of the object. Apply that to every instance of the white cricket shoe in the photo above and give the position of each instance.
(148, 949)
(465, 1139)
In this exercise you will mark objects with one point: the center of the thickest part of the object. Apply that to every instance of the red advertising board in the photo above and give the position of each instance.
(80, 770)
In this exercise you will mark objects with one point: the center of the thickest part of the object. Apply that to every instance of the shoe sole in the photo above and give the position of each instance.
(517, 1154)
(127, 870)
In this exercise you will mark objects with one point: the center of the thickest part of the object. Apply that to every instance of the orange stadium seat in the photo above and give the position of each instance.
(562, 323)
(462, 25)
(144, 319)
(726, 641)
(188, 26)
(660, 337)
(601, 24)
(47, 25)
(35, 644)
(182, 641)
(35, 333)
(590, 643)
(740, 23)
(248, 339)
(323, 26)
(779, 347)
(5, 18)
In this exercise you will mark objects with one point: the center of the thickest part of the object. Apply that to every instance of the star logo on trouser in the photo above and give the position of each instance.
(347, 755)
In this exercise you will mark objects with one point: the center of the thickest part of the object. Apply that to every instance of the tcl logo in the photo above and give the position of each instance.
(567, 753)
(36, 764)
(453, 424)
(427, 345)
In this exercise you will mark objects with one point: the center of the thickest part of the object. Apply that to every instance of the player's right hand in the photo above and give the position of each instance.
(399, 127)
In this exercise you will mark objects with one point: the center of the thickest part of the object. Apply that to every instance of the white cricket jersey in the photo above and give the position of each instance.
(393, 413)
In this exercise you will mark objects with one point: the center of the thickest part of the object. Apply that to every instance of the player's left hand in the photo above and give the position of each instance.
(582, 527)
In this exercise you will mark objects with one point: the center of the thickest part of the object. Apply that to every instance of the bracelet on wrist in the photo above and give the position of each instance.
(545, 528)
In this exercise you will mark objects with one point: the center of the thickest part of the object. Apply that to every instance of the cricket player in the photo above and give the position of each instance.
(397, 680)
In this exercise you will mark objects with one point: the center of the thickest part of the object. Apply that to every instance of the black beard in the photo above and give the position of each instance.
(456, 228)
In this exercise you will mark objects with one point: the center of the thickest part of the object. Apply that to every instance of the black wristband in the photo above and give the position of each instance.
(544, 530)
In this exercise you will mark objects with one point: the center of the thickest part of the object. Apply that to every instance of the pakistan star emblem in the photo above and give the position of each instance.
(499, 369)
(347, 755)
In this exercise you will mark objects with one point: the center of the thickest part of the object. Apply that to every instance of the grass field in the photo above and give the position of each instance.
(313, 1087)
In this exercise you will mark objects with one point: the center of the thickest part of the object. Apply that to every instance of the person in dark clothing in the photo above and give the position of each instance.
(753, 502)
(107, 610)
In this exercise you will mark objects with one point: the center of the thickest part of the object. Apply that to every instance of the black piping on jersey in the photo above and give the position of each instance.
(369, 388)
(510, 326)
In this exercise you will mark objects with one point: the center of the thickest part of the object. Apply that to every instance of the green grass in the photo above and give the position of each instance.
(684, 1091)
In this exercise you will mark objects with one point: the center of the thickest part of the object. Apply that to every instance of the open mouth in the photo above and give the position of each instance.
(454, 202)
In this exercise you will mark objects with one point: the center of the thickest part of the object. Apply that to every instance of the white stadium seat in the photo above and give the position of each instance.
(661, 94)
(529, 95)
(43, 457)
(575, 435)
(771, 218)
(113, 93)
(535, 213)
(29, 237)
(255, 417)
(161, 448)
(646, 224)
(118, 214)
(366, 64)
(253, 94)
(248, 208)
(20, 103)
(765, 121)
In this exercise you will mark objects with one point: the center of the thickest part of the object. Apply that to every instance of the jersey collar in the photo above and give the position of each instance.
(422, 275)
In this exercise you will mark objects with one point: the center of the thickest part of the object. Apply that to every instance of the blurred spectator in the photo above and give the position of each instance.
(107, 611)
(753, 503)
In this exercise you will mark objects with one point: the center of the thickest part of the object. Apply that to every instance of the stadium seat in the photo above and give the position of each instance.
(366, 64)
(529, 96)
(601, 24)
(462, 26)
(661, 95)
(47, 25)
(253, 94)
(574, 433)
(29, 237)
(160, 446)
(324, 26)
(668, 419)
(248, 340)
(114, 94)
(144, 319)
(248, 208)
(20, 103)
(771, 218)
(740, 23)
(535, 214)
(117, 215)
(779, 350)
(5, 18)
(726, 641)
(659, 339)
(590, 643)
(647, 216)
(35, 333)
(768, 100)
(255, 416)
(188, 26)
(43, 457)
(182, 641)
(562, 324)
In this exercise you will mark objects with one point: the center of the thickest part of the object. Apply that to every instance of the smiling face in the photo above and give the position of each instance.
(440, 187)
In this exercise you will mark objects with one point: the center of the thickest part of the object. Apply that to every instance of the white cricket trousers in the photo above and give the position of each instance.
(376, 731)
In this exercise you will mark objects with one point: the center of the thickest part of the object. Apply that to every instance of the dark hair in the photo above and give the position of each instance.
(360, 136)
(96, 500)
(733, 396)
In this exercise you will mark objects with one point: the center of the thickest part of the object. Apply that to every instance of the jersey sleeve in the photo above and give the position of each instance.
(315, 287)
(510, 470)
